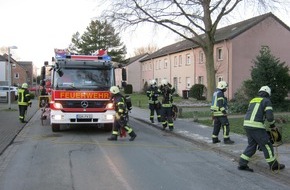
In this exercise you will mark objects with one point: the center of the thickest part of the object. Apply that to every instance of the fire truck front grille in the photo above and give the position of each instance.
(83, 104)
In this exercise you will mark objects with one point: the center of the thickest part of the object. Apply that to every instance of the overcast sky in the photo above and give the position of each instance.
(36, 27)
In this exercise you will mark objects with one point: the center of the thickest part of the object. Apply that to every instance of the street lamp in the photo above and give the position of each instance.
(9, 75)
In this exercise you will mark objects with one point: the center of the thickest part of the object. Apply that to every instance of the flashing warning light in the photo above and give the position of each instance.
(64, 54)
(88, 57)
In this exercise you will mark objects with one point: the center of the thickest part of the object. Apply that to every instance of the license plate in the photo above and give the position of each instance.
(84, 116)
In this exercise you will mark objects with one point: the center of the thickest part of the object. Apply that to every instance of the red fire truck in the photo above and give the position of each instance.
(79, 90)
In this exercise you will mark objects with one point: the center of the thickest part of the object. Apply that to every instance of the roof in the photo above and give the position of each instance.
(135, 58)
(225, 33)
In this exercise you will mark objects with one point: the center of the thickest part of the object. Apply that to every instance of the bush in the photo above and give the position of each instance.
(198, 92)
(145, 87)
(128, 89)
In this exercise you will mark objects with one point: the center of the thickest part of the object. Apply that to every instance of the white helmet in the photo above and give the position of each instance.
(222, 85)
(24, 85)
(265, 89)
(114, 90)
(153, 82)
(164, 82)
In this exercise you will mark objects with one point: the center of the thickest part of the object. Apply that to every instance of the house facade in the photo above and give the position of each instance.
(237, 45)
(18, 73)
(28, 65)
(133, 71)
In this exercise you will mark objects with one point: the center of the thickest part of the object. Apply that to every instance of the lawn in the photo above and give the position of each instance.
(203, 116)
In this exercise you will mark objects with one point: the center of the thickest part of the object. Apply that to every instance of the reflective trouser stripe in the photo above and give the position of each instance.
(128, 129)
(271, 157)
(245, 157)
(115, 132)
(226, 132)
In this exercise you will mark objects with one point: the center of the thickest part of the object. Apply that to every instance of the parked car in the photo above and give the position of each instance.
(13, 89)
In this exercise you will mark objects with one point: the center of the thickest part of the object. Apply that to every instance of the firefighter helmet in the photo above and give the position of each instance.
(114, 90)
(222, 85)
(153, 82)
(24, 85)
(265, 89)
(164, 82)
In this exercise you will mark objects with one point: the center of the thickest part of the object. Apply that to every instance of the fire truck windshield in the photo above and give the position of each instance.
(84, 78)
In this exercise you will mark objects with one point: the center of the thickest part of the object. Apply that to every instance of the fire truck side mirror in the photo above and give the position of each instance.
(43, 69)
(124, 74)
(42, 83)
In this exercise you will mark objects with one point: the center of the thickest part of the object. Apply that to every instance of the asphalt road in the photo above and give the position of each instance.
(81, 158)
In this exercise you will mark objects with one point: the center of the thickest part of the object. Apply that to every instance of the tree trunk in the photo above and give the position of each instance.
(210, 71)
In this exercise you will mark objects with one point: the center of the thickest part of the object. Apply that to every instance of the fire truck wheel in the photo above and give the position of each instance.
(55, 127)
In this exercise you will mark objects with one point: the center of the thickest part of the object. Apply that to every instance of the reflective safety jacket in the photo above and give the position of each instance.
(219, 103)
(120, 105)
(167, 92)
(153, 92)
(23, 97)
(260, 109)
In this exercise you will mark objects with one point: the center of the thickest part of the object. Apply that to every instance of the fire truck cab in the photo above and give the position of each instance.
(79, 90)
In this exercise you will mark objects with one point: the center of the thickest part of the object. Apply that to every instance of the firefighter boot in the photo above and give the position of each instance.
(245, 168)
(132, 135)
(228, 141)
(215, 140)
(276, 166)
(113, 138)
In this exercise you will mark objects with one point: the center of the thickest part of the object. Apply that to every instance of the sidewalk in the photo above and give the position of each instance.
(10, 124)
(201, 135)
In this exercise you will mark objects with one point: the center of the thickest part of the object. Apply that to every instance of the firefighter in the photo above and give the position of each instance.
(219, 109)
(167, 91)
(259, 110)
(154, 105)
(23, 101)
(121, 118)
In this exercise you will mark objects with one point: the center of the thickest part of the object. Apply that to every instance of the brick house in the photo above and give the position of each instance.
(29, 71)
(18, 73)
(237, 45)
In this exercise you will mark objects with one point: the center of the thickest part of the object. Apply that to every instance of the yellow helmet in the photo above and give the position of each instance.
(222, 85)
(24, 85)
(114, 90)
(265, 89)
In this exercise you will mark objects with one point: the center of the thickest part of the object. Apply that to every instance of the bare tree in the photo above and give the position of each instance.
(193, 20)
(142, 50)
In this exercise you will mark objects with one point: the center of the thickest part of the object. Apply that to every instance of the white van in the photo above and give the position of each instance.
(4, 89)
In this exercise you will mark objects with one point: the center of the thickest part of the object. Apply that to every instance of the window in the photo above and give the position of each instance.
(179, 79)
(165, 63)
(220, 78)
(16, 75)
(201, 57)
(156, 65)
(188, 59)
(159, 64)
(200, 80)
(180, 60)
(187, 82)
(175, 61)
(219, 54)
